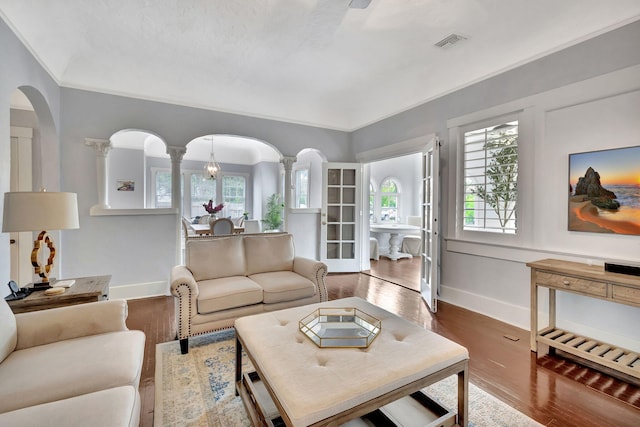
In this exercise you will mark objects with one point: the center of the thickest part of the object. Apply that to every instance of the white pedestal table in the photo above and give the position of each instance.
(394, 230)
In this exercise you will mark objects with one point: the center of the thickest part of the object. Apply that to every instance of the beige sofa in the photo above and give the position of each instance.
(229, 277)
(70, 366)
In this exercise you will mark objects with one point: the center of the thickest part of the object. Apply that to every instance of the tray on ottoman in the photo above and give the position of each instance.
(340, 327)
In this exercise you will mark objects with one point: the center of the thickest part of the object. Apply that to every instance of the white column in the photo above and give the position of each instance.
(288, 162)
(102, 147)
(176, 154)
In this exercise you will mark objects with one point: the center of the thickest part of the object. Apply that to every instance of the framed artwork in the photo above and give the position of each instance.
(125, 185)
(604, 191)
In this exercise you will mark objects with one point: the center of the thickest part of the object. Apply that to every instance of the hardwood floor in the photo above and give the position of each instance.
(549, 389)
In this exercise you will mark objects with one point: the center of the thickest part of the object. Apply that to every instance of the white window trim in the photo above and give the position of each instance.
(380, 193)
(457, 128)
(299, 167)
(219, 180)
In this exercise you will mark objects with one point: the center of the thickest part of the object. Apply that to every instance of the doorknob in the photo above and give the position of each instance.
(12, 241)
(324, 222)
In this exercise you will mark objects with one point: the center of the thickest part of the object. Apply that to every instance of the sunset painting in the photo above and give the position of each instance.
(604, 191)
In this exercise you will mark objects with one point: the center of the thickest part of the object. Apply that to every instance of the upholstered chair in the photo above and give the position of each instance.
(222, 227)
(252, 226)
(412, 244)
(373, 249)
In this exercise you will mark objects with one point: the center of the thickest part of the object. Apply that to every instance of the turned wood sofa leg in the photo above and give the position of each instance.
(184, 345)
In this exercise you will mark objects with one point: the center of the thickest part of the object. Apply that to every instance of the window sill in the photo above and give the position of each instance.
(100, 211)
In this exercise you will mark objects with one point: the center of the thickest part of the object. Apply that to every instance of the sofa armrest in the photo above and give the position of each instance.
(57, 324)
(315, 271)
(185, 288)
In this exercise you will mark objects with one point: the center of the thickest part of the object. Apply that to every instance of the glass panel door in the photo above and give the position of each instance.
(430, 268)
(340, 217)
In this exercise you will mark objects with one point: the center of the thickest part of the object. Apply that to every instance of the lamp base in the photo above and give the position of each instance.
(42, 285)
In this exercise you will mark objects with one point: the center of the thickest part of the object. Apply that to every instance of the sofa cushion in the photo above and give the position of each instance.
(227, 292)
(69, 368)
(279, 286)
(8, 331)
(118, 406)
(266, 253)
(214, 258)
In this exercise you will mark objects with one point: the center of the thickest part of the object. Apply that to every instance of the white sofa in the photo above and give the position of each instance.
(71, 366)
(229, 277)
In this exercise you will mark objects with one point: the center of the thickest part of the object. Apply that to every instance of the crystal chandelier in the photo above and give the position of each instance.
(212, 168)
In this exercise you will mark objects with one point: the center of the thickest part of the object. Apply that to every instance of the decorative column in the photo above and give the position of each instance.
(176, 154)
(102, 147)
(288, 162)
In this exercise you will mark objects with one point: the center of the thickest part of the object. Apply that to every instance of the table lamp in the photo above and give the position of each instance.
(35, 211)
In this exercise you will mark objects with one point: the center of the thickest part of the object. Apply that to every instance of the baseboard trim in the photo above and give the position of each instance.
(508, 313)
(139, 290)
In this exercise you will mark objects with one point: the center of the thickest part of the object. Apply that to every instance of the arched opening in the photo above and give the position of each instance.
(139, 171)
(32, 140)
(250, 172)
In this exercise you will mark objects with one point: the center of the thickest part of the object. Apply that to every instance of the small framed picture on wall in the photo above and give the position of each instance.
(125, 185)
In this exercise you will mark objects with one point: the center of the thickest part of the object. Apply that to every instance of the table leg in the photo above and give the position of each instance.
(463, 398)
(238, 362)
(394, 248)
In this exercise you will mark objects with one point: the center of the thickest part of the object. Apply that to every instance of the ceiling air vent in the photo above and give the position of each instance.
(450, 40)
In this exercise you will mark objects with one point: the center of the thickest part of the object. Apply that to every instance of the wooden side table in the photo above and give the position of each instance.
(85, 289)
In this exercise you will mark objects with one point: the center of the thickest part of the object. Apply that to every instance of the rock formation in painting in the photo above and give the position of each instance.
(590, 187)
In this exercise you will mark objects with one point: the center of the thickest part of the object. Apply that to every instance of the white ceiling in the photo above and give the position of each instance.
(316, 62)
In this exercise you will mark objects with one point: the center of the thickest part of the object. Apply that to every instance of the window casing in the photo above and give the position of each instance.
(198, 190)
(490, 178)
(234, 191)
(372, 202)
(301, 185)
(389, 200)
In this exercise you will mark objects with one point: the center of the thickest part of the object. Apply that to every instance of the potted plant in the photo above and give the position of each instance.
(273, 218)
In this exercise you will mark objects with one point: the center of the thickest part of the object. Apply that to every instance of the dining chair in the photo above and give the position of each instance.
(412, 244)
(252, 226)
(204, 219)
(221, 227)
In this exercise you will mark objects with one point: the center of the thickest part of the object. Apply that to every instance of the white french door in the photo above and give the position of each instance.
(341, 216)
(21, 180)
(430, 268)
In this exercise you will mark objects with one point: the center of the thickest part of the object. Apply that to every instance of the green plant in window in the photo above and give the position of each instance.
(500, 191)
(273, 218)
(469, 209)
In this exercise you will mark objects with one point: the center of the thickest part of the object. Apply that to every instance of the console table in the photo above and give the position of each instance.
(85, 289)
(590, 281)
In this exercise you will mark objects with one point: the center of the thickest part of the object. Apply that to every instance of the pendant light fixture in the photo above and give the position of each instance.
(212, 168)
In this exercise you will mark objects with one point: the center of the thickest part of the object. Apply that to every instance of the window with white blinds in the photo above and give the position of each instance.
(491, 179)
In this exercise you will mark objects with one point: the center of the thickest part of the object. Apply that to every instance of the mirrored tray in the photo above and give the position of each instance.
(340, 327)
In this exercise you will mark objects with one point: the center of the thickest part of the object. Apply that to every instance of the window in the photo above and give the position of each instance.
(202, 190)
(389, 195)
(301, 188)
(233, 195)
(372, 203)
(162, 184)
(491, 179)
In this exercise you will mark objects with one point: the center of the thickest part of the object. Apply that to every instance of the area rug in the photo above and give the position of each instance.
(197, 389)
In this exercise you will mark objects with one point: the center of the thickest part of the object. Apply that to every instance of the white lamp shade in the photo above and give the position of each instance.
(37, 211)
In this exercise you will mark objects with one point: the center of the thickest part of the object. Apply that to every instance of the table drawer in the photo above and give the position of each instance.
(570, 283)
(626, 295)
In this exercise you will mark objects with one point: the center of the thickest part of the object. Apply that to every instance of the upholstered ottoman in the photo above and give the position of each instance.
(318, 386)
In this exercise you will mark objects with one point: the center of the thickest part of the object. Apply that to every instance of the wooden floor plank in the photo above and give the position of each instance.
(550, 389)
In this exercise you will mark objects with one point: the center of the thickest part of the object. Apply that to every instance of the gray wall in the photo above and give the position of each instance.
(18, 69)
(557, 89)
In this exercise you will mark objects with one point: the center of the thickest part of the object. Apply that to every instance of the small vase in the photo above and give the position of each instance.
(212, 218)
